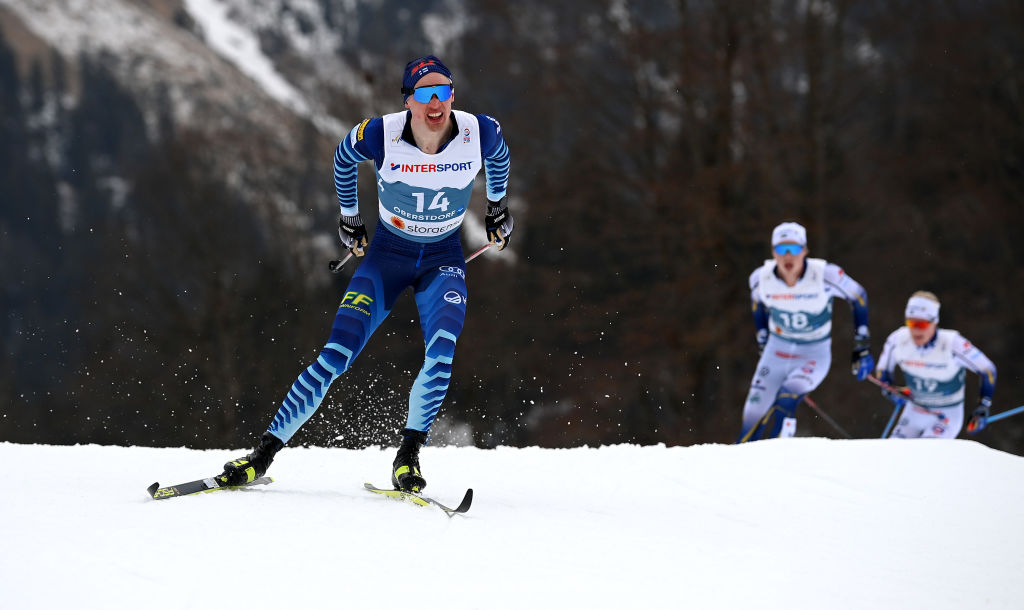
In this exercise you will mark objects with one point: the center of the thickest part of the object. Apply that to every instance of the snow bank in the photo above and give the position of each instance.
(795, 523)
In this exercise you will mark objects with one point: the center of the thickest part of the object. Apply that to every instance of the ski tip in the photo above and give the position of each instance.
(467, 500)
(152, 489)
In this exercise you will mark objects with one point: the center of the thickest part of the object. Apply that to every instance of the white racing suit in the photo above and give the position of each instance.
(798, 352)
(935, 375)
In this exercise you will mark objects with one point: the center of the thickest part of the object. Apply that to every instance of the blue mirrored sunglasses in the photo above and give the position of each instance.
(423, 94)
(783, 249)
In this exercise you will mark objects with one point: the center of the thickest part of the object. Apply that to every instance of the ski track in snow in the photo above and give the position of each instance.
(795, 523)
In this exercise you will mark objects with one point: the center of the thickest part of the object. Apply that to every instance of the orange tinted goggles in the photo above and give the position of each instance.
(918, 324)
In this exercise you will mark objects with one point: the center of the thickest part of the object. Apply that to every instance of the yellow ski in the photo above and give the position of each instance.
(419, 500)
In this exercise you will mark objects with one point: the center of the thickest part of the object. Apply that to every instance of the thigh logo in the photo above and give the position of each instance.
(356, 301)
(453, 297)
(450, 271)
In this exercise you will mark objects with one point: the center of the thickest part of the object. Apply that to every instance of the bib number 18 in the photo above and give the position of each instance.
(795, 321)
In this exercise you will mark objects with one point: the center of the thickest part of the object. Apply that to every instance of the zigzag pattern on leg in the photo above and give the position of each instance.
(309, 390)
(431, 385)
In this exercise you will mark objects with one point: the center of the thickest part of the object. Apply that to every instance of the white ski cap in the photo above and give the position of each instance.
(789, 233)
(922, 308)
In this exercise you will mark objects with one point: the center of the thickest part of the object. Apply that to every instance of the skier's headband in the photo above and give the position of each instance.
(417, 69)
(789, 232)
(921, 308)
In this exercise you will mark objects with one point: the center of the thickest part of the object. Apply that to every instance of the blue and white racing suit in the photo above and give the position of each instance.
(797, 321)
(423, 199)
(934, 372)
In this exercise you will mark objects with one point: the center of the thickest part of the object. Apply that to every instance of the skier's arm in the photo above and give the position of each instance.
(848, 288)
(886, 367)
(971, 357)
(498, 221)
(845, 286)
(967, 354)
(759, 311)
(496, 158)
(364, 142)
(886, 363)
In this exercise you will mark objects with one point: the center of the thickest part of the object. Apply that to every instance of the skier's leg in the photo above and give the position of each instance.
(361, 311)
(441, 300)
(783, 421)
(769, 375)
(945, 422)
(912, 423)
(807, 374)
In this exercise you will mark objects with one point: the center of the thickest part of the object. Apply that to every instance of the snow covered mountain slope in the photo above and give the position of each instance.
(789, 524)
(154, 58)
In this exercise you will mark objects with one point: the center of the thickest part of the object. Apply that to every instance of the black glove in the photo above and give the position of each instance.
(353, 234)
(861, 359)
(980, 418)
(499, 223)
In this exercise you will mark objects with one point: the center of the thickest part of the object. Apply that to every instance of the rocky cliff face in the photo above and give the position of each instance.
(169, 71)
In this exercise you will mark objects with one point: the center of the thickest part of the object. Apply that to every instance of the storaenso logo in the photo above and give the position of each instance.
(453, 297)
(452, 271)
(432, 230)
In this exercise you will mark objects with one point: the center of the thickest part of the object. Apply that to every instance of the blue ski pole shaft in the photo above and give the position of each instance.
(892, 420)
(999, 416)
(885, 386)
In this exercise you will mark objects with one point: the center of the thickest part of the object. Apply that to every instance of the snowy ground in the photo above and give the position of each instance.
(796, 523)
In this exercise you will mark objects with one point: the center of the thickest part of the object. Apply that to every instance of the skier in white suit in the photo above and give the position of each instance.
(934, 361)
(791, 297)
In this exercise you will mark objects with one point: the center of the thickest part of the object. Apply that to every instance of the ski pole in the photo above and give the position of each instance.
(480, 251)
(892, 420)
(335, 266)
(885, 386)
(999, 416)
(817, 409)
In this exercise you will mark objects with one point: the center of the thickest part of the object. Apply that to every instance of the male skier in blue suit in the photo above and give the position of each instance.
(426, 159)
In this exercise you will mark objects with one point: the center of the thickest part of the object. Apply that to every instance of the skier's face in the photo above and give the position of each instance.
(921, 331)
(789, 258)
(433, 114)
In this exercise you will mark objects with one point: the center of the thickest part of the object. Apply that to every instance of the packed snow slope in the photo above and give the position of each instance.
(799, 523)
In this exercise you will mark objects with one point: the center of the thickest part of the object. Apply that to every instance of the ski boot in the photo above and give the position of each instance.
(253, 466)
(405, 474)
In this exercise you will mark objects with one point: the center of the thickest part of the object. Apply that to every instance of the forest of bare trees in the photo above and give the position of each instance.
(654, 146)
